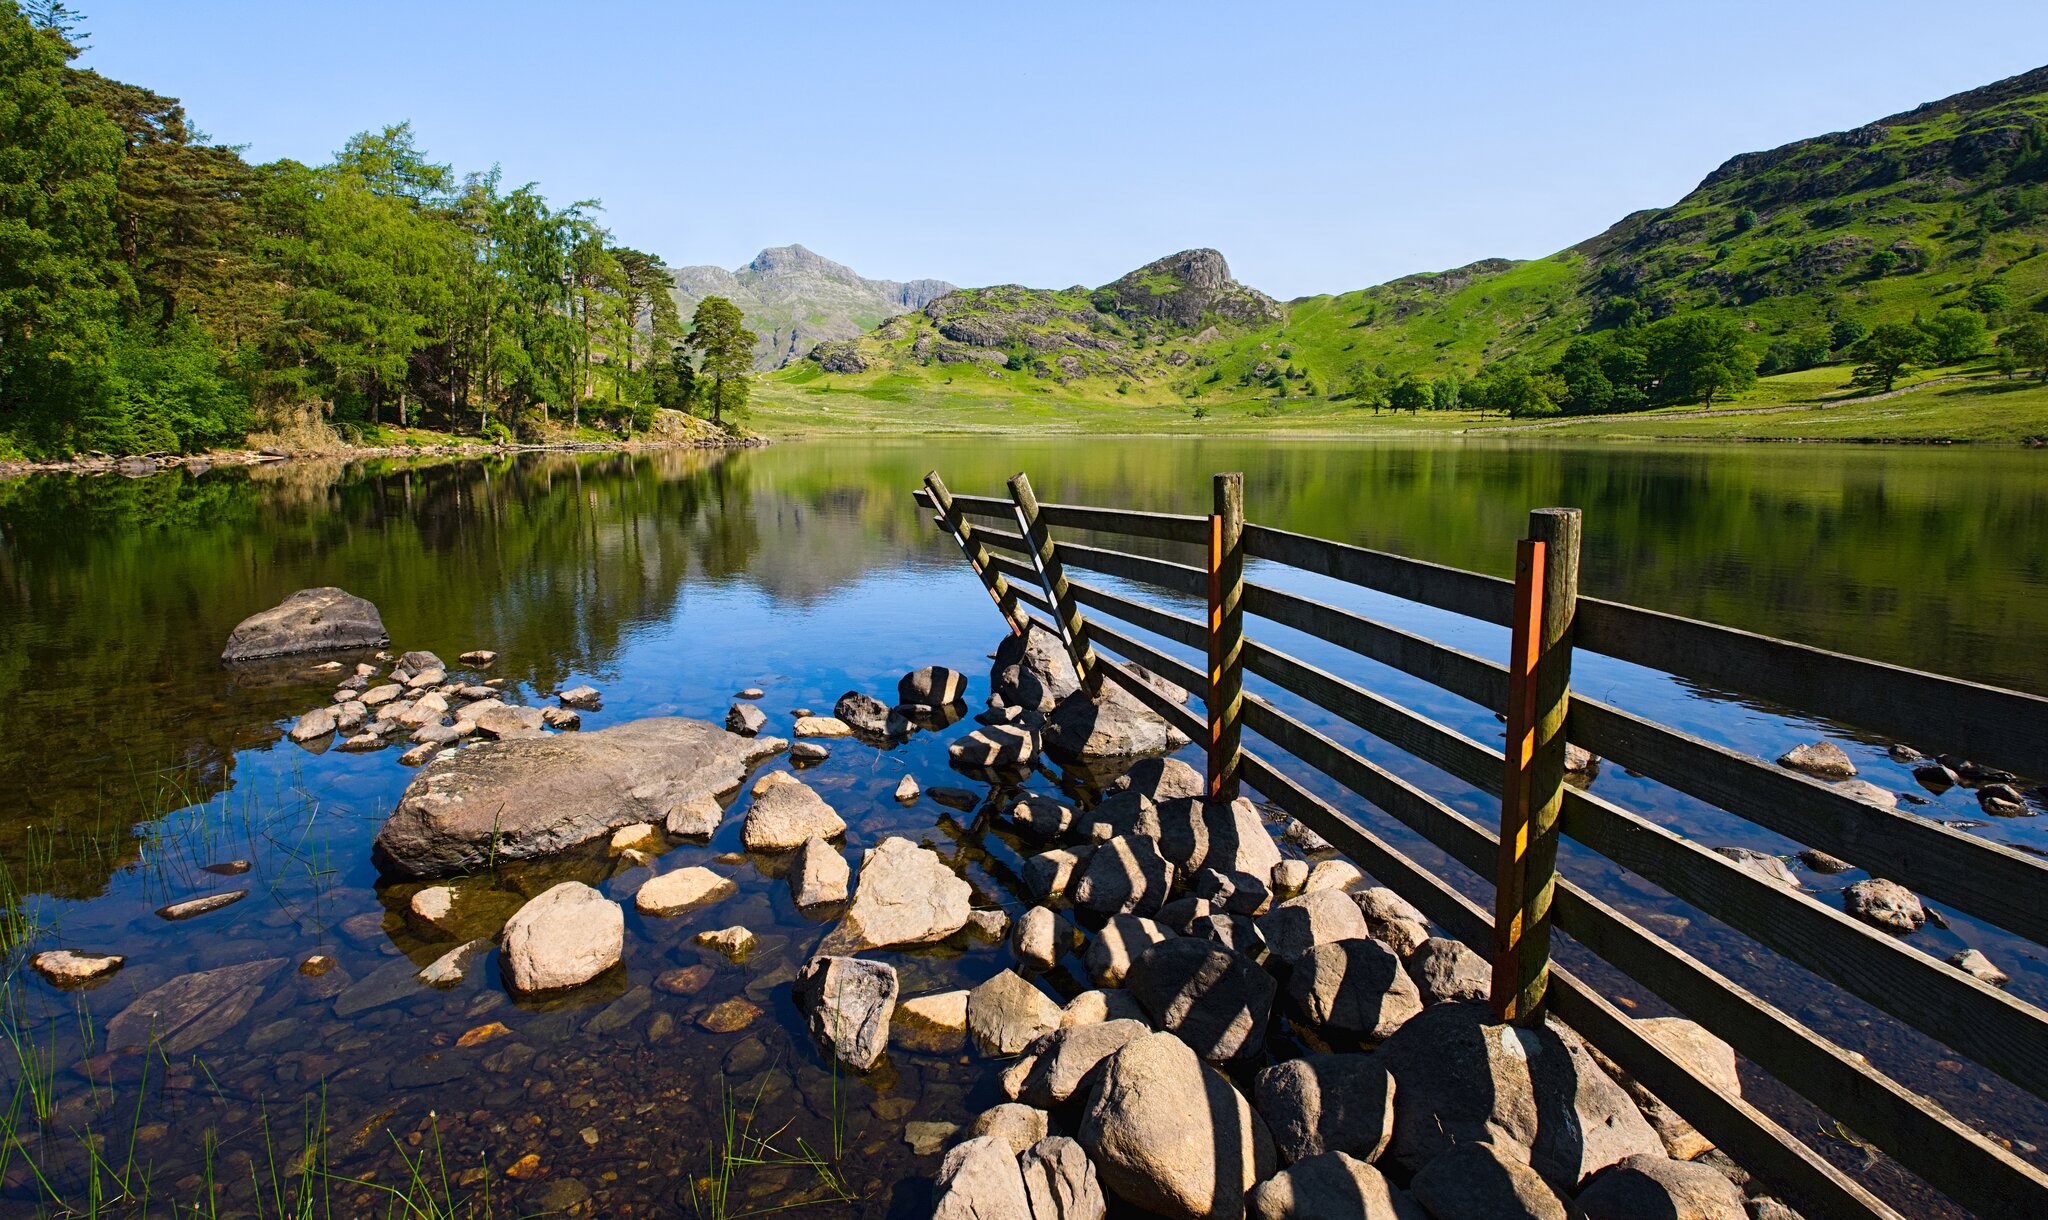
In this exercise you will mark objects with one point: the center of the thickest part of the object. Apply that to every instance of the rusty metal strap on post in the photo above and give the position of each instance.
(1532, 796)
(1226, 636)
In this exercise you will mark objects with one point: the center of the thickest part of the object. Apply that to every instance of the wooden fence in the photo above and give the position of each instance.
(1024, 566)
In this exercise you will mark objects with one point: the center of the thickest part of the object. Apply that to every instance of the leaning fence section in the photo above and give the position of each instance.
(1010, 543)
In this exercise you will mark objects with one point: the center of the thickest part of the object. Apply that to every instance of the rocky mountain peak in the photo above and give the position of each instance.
(794, 298)
(1184, 289)
(798, 260)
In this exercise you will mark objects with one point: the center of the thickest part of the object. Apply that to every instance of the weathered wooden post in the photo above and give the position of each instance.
(1054, 576)
(955, 522)
(1539, 690)
(1226, 635)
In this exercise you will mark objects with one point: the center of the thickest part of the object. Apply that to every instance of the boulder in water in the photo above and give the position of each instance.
(847, 1003)
(565, 937)
(325, 619)
(538, 796)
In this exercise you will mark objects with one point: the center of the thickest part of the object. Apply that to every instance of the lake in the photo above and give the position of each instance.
(131, 759)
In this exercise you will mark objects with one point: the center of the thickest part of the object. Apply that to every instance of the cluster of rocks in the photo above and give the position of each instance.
(1178, 1085)
(1160, 1088)
(1265, 1036)
(421, 704)
(1036, 704)
(1877, 901)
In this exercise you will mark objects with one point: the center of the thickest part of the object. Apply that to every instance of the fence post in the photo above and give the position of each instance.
(954, 522)
(1226, 635)
(1539, 690)
(1053, 574)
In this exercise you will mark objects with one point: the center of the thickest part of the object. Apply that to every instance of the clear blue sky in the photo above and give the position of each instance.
(1321, 147)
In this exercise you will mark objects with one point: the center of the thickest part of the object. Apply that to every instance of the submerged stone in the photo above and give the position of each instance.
(535, 797)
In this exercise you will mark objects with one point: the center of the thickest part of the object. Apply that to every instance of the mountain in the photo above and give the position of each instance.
(794, 299)
(1944, 205)
(1120, 331)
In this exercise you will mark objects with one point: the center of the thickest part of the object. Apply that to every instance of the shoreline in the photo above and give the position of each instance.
(144, 465)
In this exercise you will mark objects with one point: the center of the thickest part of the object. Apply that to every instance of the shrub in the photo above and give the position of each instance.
(167, 393)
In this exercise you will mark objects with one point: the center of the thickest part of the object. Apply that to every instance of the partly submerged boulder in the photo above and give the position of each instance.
(536, 796)
(565, 937)
(1033, 670)
(786, 813)
(1113, 724)
(847, 1003)
(312, 620)
(905, 895)
(932, 686)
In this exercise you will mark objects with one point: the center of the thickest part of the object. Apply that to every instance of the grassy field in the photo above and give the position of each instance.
(1981, 408)
(1988, 412)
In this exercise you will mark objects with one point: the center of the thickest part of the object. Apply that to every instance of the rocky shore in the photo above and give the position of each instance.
(140, 466)
(1266, 1032)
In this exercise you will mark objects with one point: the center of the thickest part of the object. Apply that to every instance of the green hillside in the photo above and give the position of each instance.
(1943, 206)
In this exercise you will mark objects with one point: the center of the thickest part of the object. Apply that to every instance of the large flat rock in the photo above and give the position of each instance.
(536, 796)
(312, 620)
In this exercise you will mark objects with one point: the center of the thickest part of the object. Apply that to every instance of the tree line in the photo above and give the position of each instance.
(159, 293)
(1700, 358)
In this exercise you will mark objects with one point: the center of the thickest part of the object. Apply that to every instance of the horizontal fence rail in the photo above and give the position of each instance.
(2001, 728)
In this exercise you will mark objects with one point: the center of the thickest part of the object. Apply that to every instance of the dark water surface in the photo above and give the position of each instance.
(130, 759)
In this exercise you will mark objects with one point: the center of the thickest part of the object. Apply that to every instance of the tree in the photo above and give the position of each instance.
(1882, 263)
(1446, 391)
(1846, 332)
(1696, 357)
(2027, 344)
(1956, 334)
(1409, 393)
(1516, 391)
(59, 279)
(1745, 220)
(1884, 355)
(725, 349)
(1990, 298)
(1791, 353)
(675, 380)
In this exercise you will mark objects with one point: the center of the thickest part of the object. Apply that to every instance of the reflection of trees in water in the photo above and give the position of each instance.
(113, 703)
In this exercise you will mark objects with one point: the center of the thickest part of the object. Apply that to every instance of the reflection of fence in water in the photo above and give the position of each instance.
(1548, 621)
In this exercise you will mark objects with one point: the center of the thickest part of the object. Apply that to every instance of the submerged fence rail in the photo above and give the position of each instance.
(1023, 566)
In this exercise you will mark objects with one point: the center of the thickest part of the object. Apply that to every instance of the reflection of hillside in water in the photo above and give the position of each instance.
(812, 548)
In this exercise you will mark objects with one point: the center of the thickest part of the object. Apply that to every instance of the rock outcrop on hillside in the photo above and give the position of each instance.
(1188, 289)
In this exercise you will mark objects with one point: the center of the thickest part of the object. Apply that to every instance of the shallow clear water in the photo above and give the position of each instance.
(130, 759)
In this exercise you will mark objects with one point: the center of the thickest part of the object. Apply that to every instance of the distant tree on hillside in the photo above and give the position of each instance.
(1697, 358)
(1956, 334)
(1409, 393)
(1446, 392)
(1846, 332)
(1884, 355)
(1515, 391)
(1792, 353)
(1990, 299)
(725, 349)
(2027, 346)
(1745, 220)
